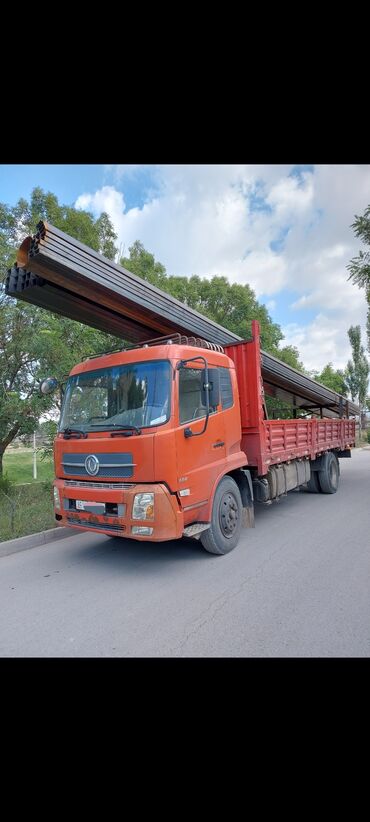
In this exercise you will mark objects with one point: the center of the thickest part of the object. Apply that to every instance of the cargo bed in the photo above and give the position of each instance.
(268, 442)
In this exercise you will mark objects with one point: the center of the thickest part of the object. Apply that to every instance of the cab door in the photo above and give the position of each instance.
(201, 456)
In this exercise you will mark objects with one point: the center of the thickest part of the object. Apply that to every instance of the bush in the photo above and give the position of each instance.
(368, 435)
(5, 484)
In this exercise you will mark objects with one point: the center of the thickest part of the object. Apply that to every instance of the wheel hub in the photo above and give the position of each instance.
(229, 514)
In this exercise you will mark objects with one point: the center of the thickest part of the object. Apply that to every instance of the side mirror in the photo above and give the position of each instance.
(214, 388)
(49, 385)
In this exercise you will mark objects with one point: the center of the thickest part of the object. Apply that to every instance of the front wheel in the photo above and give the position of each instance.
(224, 532)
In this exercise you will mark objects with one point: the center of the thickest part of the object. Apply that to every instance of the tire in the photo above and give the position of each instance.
(329, 474)
(336, 457)
(313, 485)
(224, 532)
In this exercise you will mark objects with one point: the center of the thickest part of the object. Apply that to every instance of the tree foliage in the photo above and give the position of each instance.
(232, 305)
(19, 220)
(290, 355)
(358, 369)
(359, 267)
(335, 379)
(35, 343)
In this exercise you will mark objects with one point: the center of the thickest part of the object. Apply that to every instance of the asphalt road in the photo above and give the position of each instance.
(298, 585)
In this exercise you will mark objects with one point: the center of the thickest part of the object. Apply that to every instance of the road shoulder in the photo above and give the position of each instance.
(12, 546)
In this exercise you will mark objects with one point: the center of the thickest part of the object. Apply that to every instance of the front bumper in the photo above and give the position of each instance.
(167, 522)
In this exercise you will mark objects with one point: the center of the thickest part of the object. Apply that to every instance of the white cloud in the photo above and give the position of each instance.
(106, 199)
(325, 339)
(292, 196)
(207, 219)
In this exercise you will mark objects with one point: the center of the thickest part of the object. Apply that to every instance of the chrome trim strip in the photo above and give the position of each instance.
(111, 486)
(104, 464)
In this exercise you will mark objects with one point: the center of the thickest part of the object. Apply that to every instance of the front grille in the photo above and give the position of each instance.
(112, 486)
(102, 525)
(110, 465)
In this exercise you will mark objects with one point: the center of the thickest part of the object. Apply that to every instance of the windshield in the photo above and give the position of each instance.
(137, 394)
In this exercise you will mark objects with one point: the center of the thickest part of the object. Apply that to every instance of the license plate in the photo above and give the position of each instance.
(81, 504)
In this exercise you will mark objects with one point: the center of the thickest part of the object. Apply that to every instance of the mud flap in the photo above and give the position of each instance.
(248, 517)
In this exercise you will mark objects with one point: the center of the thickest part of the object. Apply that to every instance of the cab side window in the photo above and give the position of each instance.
(190, 390)
(192, 396)
(226, 390)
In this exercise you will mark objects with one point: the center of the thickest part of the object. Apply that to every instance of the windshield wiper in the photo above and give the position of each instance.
(68, 432)
(126, 431)
(117, 425)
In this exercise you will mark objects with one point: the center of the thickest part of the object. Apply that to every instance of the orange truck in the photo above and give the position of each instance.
(171, 438)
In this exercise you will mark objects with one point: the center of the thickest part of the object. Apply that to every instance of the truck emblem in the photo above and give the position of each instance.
(92, 465)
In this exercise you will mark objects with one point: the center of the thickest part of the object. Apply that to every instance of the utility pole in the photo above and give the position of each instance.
(34, 456)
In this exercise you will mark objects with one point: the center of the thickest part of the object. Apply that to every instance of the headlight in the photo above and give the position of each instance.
(56, 498)
(143, 507)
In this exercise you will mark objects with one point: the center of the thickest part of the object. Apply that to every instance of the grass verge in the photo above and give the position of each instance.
(18, 466)
(25, 510)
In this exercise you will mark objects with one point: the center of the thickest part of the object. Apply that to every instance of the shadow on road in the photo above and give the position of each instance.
(131, 557)
(127, 556)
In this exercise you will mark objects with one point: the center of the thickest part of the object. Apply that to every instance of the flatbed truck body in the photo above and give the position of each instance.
(189, 449)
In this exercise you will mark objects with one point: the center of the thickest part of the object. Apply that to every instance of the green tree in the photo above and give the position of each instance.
(290, 355)
(143, 264)
(359, 267)
(232, 305)
(358, 369)
(335, 379)
(19, 220)
(35, 343)
(107, 236)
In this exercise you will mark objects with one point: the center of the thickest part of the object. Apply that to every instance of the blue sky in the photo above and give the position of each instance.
(284, 229)
(68, 182)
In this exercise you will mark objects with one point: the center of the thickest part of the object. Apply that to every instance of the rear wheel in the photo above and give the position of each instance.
(329, 474)
(224, 532)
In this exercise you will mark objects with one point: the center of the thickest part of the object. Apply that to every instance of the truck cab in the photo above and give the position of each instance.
(146, 436)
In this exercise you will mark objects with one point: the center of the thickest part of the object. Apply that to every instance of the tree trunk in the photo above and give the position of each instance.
(5, 442)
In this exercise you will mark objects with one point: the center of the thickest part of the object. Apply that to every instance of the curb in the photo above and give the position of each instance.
(12, 546)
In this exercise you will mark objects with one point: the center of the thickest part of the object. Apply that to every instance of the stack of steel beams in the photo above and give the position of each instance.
(36, 290)
(287, 384)
(59, 273)
(67, 263)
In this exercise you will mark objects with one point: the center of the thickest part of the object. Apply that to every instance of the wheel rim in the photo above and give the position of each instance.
(228, 514)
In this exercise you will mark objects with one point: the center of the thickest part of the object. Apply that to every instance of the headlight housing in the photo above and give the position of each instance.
(56, 497)
(143, 507)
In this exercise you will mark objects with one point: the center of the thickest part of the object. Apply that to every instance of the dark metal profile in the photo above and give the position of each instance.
(61, 274)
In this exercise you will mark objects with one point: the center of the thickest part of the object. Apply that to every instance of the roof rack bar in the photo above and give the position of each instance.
(168, 339)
